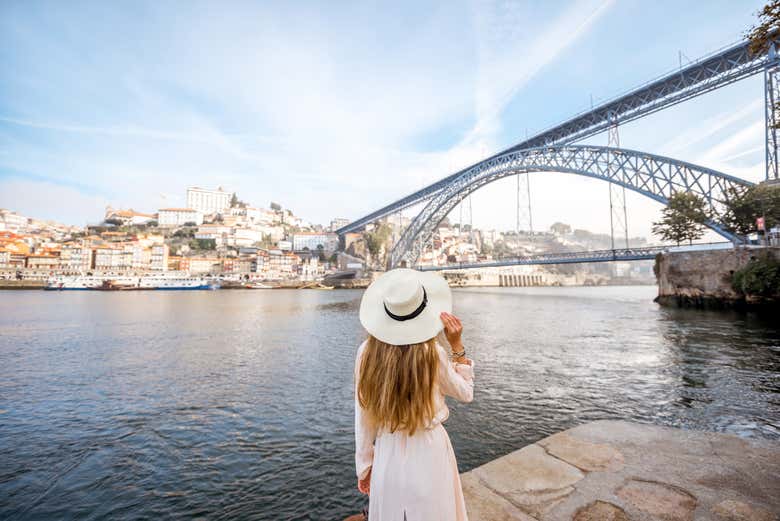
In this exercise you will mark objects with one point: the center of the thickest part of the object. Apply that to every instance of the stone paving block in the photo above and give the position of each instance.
(600, 511)
(659, 499)
(585, 455)
(483, 503)
(739, 511)
(530, 478)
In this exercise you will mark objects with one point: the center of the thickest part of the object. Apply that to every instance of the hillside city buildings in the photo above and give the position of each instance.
(218, 235)
(210, 236)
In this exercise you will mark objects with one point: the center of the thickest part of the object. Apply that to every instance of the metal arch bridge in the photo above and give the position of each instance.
(653, 176)
(704, 75)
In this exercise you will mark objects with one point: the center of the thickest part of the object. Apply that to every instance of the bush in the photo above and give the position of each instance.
(761, 277)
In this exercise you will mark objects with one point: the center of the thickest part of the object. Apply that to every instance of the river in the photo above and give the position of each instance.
(238, 404)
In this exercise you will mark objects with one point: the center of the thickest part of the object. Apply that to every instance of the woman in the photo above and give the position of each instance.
(404, 459)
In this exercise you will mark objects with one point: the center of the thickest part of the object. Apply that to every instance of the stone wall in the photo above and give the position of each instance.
(703, 278)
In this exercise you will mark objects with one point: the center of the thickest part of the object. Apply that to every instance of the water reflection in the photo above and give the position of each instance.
(239, 404)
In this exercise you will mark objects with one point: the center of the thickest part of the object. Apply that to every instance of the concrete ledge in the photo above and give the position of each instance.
(615, 470)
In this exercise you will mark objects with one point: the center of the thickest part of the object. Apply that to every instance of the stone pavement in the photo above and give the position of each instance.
(620, 471)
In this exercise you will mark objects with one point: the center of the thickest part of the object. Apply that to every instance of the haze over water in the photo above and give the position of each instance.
(238, 404)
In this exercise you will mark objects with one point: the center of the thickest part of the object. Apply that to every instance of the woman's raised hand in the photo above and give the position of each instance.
(452, 330)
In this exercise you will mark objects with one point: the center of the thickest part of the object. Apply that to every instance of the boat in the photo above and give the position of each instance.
(112, 285)
(86, 282)
(124, 283)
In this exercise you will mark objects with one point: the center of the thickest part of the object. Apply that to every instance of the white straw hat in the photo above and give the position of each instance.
(403, 306)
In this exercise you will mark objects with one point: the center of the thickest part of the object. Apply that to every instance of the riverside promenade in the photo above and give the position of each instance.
(619, 471)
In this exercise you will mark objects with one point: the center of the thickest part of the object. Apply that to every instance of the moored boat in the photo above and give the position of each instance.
(114, 283)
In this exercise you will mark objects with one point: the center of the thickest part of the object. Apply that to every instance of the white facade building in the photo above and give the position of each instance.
(208, 201)
(76, 257)
(243, 237)
(337, 223)
(12, 221)
(178, 216)
(311, 240)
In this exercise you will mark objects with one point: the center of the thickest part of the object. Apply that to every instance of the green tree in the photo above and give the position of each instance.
(745, 205)
(235, 202)
(762, 35)
(760, 277)
(683, 218)
(184, 233)
(376, 238)
(203, 244)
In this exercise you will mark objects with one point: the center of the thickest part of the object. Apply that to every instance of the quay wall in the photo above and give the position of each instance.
(22, 284)
(704, 278)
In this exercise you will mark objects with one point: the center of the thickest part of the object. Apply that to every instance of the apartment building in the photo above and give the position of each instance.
(76, 257)
(158, 259)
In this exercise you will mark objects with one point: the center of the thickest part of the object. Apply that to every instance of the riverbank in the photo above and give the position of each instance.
(704, 279)
(616, 470)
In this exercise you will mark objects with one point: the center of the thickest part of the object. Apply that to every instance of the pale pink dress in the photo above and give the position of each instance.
(415, 478)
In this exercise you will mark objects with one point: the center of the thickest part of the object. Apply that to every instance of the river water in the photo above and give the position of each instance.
(238, 404)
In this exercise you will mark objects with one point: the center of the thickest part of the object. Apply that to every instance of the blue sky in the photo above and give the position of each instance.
(335, 108)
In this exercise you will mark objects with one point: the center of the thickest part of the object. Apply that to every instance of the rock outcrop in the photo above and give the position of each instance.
(703, 279)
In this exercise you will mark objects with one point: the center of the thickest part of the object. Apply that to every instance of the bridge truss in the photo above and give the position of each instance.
(704, 75)
(653, 176)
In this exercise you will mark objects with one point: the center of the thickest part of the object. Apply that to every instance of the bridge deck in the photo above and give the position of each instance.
(624, 254)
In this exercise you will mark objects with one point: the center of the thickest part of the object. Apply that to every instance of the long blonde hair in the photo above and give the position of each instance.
(396, 384)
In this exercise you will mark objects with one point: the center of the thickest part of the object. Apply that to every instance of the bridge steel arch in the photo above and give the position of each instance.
(653, 176)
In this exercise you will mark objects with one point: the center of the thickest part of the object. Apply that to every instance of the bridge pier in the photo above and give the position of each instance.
(515, 280)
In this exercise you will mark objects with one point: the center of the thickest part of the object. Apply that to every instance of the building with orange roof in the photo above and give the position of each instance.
(129, 217)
